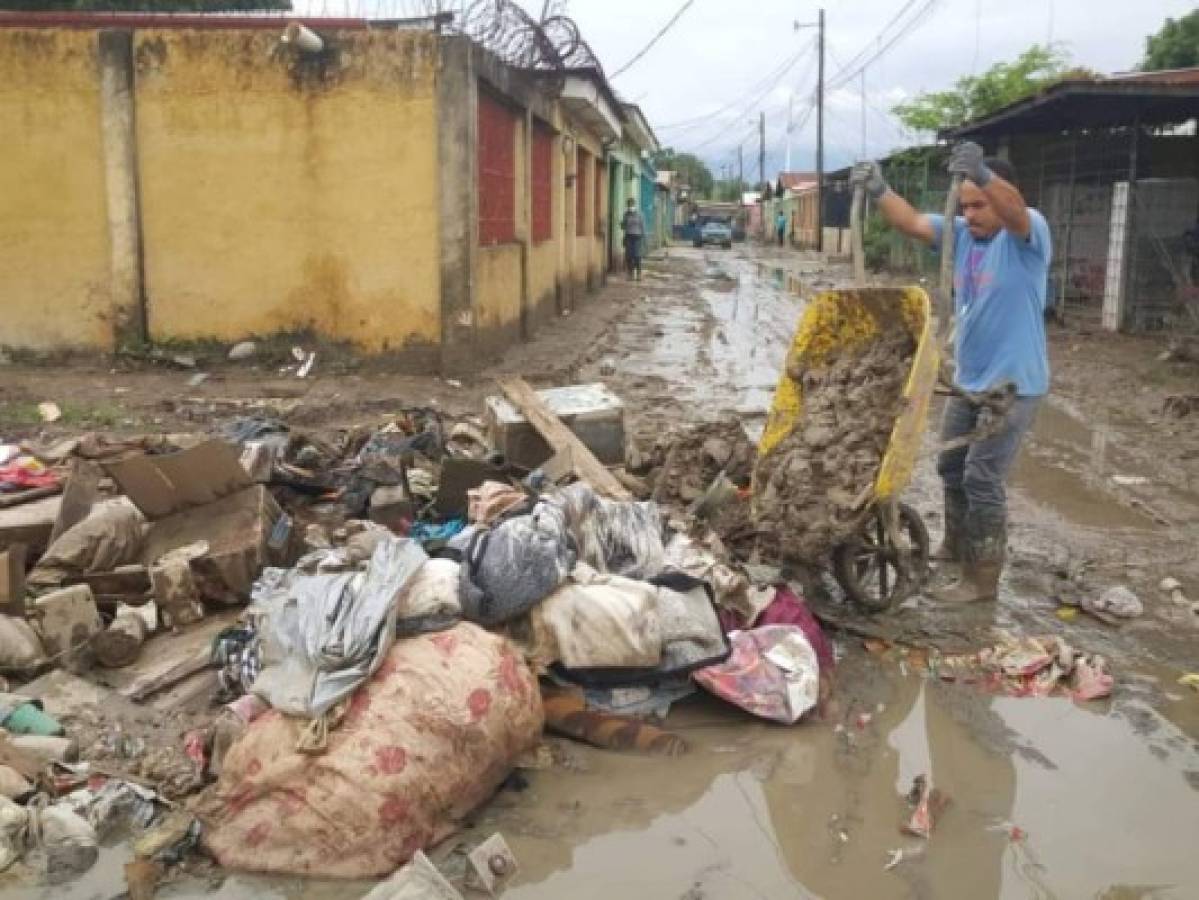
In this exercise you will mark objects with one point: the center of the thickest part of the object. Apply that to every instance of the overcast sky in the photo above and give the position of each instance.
(714, 64)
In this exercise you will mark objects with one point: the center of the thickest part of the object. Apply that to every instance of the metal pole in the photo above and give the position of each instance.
(790, 126)
(1130, 223)
(741, 167)
(820, 138)
(1061, 304)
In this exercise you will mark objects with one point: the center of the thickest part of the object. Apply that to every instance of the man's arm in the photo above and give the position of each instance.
(896, 211)
(1009, 205)
(900, 215)
(967, 160)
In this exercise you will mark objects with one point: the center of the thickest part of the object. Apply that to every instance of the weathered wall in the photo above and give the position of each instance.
(544, 256)
(498, 269)
(587, 250)
(54, 257)
(283, 193)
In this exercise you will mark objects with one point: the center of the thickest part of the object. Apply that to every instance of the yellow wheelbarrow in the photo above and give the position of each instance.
(885, 557)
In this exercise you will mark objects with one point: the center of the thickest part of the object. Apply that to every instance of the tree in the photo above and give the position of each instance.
(691, 170)
(977, 95)
(167, 6)
(1175, 46)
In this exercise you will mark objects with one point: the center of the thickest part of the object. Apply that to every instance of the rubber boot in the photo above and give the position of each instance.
(951, 549)
(986, 550)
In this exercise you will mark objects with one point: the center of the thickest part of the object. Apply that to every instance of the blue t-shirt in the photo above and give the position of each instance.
(999, 288)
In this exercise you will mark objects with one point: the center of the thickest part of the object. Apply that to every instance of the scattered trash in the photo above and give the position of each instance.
(1173, 587)
(49, 411)
(901, 855)
(1117, 601)
(198, 379)
(244, 350)
(306, 368)
(492, 864)
(63, 844)
(928, 802)
(1190, 679)
(1032, 667)
(417, 880)
(1130, 480)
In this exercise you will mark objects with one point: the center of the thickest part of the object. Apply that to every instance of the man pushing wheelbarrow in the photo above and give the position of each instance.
(1000, 276)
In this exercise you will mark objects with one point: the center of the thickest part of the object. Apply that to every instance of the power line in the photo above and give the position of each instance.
(722, 125)
(776, 73)
(918, 18)
(657, 37)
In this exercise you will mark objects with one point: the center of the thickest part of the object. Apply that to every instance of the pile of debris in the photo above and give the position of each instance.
(195, 618)
(811, 489)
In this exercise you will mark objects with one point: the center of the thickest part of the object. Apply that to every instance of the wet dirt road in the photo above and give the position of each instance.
(1049, 798)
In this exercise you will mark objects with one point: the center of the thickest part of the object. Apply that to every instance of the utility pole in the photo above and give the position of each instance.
(740, 167)
(820, 137)
(762, 149)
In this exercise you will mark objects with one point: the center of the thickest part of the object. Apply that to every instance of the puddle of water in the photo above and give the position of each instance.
(1068, 467)
(774, 812)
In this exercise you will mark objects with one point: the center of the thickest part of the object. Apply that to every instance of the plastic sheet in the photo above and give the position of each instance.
(324, 634)
(624, 538)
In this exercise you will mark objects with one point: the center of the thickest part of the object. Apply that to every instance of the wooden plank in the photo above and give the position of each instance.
(8, 501)
(561, 439)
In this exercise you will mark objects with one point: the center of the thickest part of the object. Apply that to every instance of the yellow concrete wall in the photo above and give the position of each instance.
(54, 264)
(278, 196)
(497, 287)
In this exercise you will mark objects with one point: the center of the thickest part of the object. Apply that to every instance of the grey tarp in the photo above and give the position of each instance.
(324, 634)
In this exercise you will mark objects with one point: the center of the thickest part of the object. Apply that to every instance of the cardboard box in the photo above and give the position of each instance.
(591, 411)
(204, 494)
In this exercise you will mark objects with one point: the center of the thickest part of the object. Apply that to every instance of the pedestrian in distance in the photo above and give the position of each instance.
(780, 226)
(1001, 263)
(633, 226)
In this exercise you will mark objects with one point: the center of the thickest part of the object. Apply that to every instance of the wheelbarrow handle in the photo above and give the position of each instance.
(857, 217)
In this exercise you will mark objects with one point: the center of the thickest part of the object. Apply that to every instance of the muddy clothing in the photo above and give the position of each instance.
(975, 476)
(999, 288)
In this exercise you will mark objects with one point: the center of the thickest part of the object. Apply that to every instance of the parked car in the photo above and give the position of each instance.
(715, 232)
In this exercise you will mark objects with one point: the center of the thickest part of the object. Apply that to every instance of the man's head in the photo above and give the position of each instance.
(629, 203)
(980, 215)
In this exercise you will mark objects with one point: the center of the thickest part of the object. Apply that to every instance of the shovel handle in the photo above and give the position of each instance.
(945, 282)
(857, 216)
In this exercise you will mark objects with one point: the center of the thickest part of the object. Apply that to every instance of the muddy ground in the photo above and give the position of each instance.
(1049, 798)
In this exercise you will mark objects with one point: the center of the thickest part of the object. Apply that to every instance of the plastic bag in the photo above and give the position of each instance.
(14, 820)
(624, 538)
(64, 843)
(323, 635)
(20, 647)
(772, 673)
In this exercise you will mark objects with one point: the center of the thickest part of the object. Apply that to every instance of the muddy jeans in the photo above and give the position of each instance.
(975, 476)
(632, 254)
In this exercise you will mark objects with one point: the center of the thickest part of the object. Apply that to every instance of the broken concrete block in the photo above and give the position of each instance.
(591, 411)
(68, 619)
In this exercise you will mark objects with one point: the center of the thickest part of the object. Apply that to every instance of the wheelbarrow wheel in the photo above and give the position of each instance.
(873, 572)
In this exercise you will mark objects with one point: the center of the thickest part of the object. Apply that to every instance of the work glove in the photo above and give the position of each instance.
(868, 175)
(966, 159)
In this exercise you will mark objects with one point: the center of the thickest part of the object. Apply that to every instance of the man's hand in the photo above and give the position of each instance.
(868, 175)
(966, 160)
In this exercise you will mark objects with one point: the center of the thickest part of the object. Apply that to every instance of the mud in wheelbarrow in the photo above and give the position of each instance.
(842, 439)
